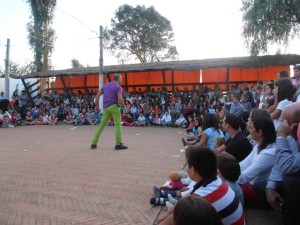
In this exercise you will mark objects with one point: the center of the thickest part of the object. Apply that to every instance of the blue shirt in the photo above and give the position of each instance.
(212, 134)
(235, 108)
(287, 160)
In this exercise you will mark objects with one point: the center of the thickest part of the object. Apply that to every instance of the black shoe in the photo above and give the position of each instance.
(93, 146)
(157, 192)
(120, 147)
(153, 201)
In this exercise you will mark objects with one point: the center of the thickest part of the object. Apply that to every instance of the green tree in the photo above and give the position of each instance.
(141, 33)
(269, 21)
(76, 64)
(20, 70)
(40, 34)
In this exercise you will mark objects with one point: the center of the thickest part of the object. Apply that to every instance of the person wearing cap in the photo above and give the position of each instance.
(112, 93)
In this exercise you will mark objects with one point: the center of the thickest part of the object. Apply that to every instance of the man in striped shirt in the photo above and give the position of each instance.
(202, 168)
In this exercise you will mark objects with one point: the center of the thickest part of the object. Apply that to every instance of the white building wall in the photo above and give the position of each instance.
(15, 84)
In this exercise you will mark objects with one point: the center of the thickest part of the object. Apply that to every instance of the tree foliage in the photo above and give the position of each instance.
(40, 34)
(19, 70)
(76, 64)
(269, 21)
(141, 33)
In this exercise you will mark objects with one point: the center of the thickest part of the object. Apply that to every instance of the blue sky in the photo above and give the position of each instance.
(203, 29)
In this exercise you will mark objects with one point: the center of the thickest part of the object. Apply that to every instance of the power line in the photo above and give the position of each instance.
(75, 18)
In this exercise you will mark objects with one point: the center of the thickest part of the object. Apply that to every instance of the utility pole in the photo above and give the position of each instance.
(7, 69)
(101, 69)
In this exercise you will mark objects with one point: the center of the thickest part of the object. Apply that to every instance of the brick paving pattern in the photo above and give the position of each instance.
(48, 174)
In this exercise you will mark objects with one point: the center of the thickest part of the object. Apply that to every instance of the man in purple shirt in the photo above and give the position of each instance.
(112, 93)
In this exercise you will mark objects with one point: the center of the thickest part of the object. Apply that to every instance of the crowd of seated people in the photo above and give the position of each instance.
(264, 155)
(156, 107)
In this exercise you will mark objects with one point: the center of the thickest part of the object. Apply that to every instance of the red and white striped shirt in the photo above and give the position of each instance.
(223, 199)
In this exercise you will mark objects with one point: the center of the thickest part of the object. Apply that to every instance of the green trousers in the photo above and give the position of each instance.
(114, 112)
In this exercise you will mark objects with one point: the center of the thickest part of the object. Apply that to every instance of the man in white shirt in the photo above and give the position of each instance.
(166, 119)
(181, 121)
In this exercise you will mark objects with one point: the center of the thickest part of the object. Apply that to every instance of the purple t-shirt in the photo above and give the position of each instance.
(110, 93)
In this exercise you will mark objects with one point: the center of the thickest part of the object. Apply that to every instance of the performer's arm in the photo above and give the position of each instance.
(121, 101)
(97, 100)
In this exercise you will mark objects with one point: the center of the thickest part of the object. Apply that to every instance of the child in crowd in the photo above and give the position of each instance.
(17, 120)
(229, 170)
(246, 105)
(127, 119)
(166, 119)
(202, 168)
(219, 141)
(157, 120)
(268, 103)
(141, 121)
(181, 121)
(169, 196)
(195, 136)
(150, 119)
(194, 210)
(69, 119)
(6, 122)
(236, 106)
(190, 125)
(53, 119)
(92, 118)
(28, 119)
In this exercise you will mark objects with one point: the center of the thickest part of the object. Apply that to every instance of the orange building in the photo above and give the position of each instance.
(223, 72)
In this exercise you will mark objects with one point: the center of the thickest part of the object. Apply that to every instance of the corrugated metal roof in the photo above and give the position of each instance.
(245, 62)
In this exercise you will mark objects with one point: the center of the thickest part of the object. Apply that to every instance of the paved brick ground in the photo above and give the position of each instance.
(48, 175)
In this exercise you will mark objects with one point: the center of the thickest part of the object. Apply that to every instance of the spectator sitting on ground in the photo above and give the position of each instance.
(141, 121)
(202, 168)
(28, 119)
(194, 210)
(211, 131)
(127, 119)
(238, 144)
(6, 122)
(53, 119)
(189, 129)
(236, 106)
(150, 118)
(92, 118)
(284, 90)
(166, 120)
(256, 167)
(69, 119)
(246, 105)
(229, 170)
(283, 187)
(219, 141)
(157, 120)
(170, 197)
(181, 121)
(17, 120)
(195, 135)
(42, 119)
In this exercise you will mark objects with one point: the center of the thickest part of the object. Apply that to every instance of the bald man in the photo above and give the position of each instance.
(286, 171)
